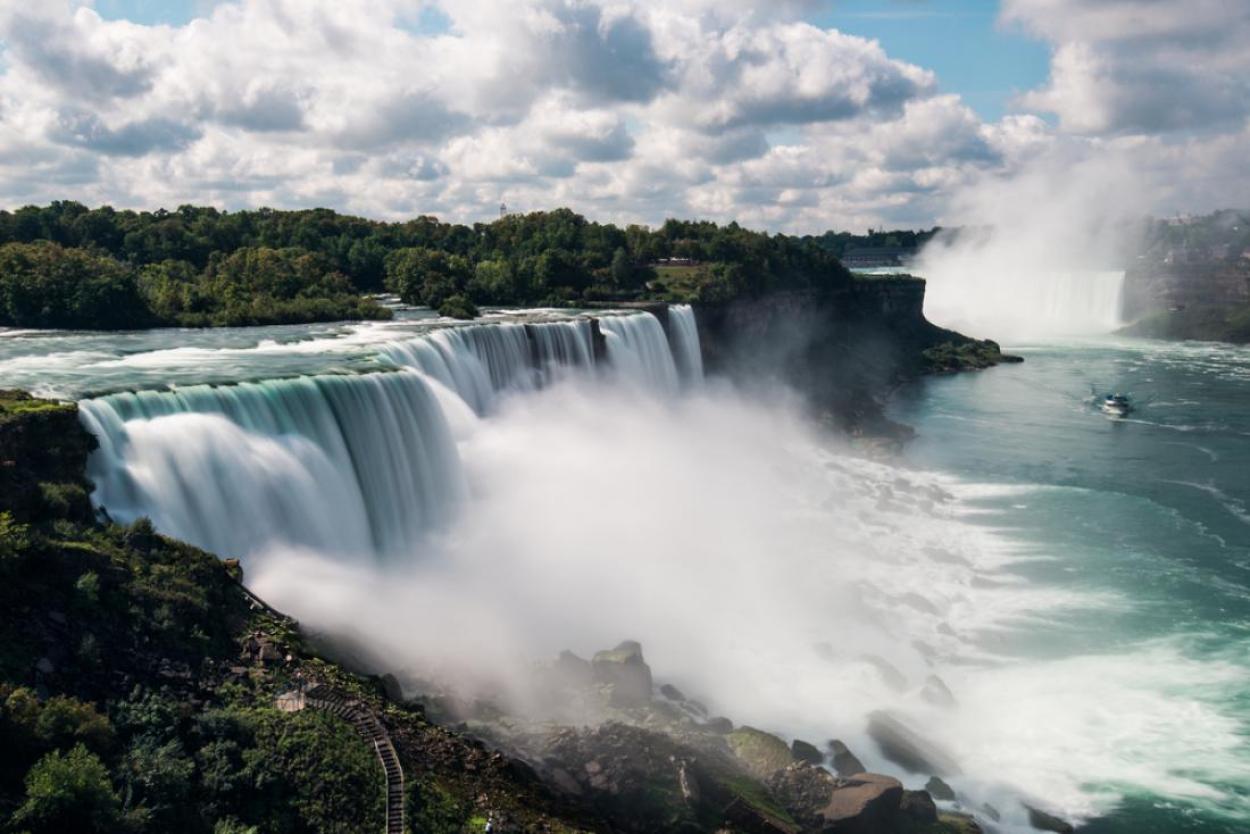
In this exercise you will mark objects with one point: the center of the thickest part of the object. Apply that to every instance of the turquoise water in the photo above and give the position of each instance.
(1150, 514)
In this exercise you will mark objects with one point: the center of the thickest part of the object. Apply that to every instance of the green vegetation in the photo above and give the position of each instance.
(129, 703)
(64, 265)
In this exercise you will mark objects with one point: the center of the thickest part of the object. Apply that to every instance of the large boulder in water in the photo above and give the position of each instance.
(907, 748)
(845, 763)
(867, 804)
(763, 754)
(1043, 821)
(805, 752)
(625, 672)
(940, 790)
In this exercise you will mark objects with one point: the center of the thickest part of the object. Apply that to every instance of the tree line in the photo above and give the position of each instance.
(65, 265)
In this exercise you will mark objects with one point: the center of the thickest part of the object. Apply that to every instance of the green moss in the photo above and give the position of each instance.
(757, 797)
(762, 753)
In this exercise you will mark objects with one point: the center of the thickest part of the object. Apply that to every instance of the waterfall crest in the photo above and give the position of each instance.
(362, 465)
(684, 334)
(640, 352)
(351, 464)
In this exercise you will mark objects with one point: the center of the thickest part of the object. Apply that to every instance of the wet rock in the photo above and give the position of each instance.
(866, 804)
(916, 601)
(955, 823)
(390, 685)
(688, 783)
(625, 672)
(907, 748)
(889, 673)
(763, 754)
(1043, 821)
(572, 671)
(804, 791)
(719, 724)
(991, 812)
(805, 752)
(672, 693)
(936, 692)
(919, 806)
(564, 782)
(939, 790)
(845, 763)
(694, 707)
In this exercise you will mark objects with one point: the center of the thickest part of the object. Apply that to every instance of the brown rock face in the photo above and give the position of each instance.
(865, 804)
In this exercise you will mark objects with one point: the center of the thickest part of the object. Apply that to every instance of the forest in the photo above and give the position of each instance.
(66, 265)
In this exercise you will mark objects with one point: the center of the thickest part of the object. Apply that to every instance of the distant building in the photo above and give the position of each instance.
(865, 257)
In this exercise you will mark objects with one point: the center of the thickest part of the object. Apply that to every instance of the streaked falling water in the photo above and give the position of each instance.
(348, 464)
(639, 351)
(362, 465)
(684, 334)
(480, 363)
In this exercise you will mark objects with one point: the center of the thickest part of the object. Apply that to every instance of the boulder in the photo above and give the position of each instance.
(867, 804)
(390, 685)
(719, 724)
(919, 806)
(763, 754)
(572, 671)
(939, 790)
(672, 693)
(1043, 821)
(952, 822)
(991, 812)
(626, 674)
(890, 674)
(907, 748)
(845, 763)
(936, 692)
(688, 783)
(805, 752)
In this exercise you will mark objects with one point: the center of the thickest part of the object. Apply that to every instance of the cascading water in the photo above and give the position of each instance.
(351, 464)
(457, 528)
(991, 287)
(639, 350)
(354, 465)
(684, 332)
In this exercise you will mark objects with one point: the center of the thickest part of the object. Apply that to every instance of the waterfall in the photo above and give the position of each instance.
(684, 333)
(347, 464)
(640, 352)
(361, 465)
(1026, 302)
(479, 362)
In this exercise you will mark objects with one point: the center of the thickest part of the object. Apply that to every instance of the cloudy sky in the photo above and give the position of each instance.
(794, 115)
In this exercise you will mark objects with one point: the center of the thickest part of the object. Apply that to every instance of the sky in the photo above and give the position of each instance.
(788, 115)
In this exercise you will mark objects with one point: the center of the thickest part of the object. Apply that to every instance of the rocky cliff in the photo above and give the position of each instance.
(1207, 301)
(845, 350)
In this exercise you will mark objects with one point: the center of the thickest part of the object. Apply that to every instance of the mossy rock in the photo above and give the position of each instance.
(763, 754)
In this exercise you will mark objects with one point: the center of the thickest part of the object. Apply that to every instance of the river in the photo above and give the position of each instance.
(1081, 584)
(1145, 522)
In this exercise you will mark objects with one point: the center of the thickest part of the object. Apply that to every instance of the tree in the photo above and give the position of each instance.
(622, 269)
(420, 275)
(69, 792)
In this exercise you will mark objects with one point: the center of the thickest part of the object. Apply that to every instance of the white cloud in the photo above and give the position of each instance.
(630, 110)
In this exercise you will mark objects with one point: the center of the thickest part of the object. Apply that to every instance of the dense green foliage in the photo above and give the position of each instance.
(839, 242)
(64, 265)
(118, 712)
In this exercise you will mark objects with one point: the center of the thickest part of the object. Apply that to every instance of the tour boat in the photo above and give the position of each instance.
(1116, 405)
